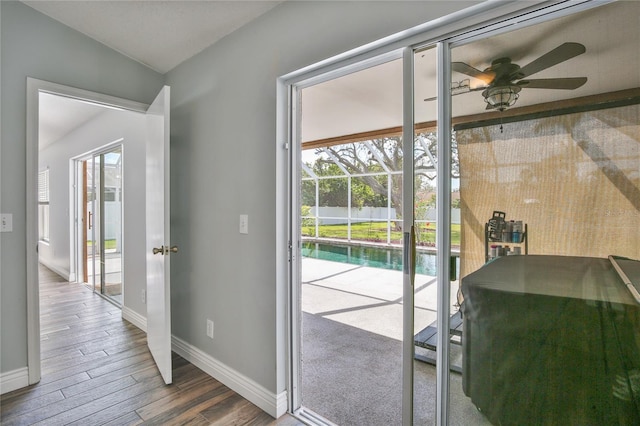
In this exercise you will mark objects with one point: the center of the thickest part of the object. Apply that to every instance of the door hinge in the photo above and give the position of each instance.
(285, 146)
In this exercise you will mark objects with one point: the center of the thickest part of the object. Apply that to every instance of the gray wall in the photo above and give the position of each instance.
(223, 155)
(223, 162)
(105, 128)
(34, 45)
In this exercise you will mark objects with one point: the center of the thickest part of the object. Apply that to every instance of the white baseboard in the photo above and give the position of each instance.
(282, 404)
(134, 318)
(15, 379)
(269, 402)
(274, 405)
(62, 272)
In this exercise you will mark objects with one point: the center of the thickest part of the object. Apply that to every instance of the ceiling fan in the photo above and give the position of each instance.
(504, 79)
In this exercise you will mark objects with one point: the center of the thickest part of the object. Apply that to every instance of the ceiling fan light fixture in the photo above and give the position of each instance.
(501, 97)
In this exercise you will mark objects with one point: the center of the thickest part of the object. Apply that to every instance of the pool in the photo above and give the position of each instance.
(375, 257)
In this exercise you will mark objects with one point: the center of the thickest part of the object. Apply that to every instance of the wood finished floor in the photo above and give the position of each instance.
(97, 370)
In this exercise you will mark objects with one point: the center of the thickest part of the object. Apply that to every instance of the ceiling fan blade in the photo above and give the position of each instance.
(559, 54)
(463, 68)
(553, 83)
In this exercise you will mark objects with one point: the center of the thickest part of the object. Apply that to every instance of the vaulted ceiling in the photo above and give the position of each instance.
(162, 34)
(159, 34)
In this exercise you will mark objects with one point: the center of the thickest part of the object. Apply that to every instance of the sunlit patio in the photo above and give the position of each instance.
(352, 345)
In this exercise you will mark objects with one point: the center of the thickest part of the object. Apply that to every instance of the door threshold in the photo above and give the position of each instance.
(311, 418)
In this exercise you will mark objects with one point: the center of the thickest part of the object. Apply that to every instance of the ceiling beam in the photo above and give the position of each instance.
(603, 100)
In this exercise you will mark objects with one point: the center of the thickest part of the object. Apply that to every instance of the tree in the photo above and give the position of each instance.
(334, 191)
(379, 155)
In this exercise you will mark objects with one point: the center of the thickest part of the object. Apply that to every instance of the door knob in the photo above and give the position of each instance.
(174, 249)
(158, 250)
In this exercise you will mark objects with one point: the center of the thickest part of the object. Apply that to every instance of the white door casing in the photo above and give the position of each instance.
(34, 88)
(157, 235)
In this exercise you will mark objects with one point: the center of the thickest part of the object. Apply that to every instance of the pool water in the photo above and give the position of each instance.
(374, 257)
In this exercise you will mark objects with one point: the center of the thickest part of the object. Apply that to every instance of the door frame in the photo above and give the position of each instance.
(34, 88)
(77, 255)
(458, 28)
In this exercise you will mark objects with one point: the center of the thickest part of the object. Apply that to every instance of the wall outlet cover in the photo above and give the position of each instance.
(6, 222)
(210, 328)
(244, 224)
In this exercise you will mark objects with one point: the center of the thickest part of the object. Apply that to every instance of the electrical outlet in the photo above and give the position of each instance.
(144, 296)
(209, 328)
(6, 222)
(244, 224)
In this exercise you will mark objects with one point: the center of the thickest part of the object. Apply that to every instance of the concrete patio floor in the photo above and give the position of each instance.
(352, 346)
(366, 298)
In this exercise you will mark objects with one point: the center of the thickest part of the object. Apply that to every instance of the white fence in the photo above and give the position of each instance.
(112, 222)
(340, 215)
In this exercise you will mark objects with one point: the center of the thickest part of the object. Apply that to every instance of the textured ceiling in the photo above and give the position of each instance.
(159, 34)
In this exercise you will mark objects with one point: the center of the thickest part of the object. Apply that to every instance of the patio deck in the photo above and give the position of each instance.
(366, 298)
(352, 346)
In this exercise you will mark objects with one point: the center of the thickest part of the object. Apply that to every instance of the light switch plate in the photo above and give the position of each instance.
(244, 224)
(6, 222)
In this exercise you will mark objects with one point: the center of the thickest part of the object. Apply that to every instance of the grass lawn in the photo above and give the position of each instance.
(377, 231)
(108, 244)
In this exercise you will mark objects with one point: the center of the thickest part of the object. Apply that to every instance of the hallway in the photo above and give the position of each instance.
(97, 370)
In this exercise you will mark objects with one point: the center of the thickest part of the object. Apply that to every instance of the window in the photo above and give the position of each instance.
(43, 205)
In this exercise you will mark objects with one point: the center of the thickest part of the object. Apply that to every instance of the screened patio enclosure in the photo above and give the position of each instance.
(354, 190)
(564, 163)
(575, 181)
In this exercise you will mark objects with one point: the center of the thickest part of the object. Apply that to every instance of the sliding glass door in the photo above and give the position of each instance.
(548, 141)
(351, 293)
(523, 178)
(91, 229)
(102, 213)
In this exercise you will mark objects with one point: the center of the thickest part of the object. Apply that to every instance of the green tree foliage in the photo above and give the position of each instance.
(305, 212)
(363, 160)
(334, 191)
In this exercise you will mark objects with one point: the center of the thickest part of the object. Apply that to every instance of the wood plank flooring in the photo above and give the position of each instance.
(97, 370)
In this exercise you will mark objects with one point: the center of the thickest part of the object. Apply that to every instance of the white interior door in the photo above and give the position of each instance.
(157, 217)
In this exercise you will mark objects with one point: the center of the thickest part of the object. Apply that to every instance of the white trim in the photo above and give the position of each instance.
(268, 401)
(75, 236)
(310, 417)
(33, 291)
(282, 401)
(88, 96)
(58, 270)
(134, 318)
(34, 87)
(71, 183)
(408, 246)
(284, 345)
(454, 24)
(15, 379)
(443, 231)
(532, 16)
